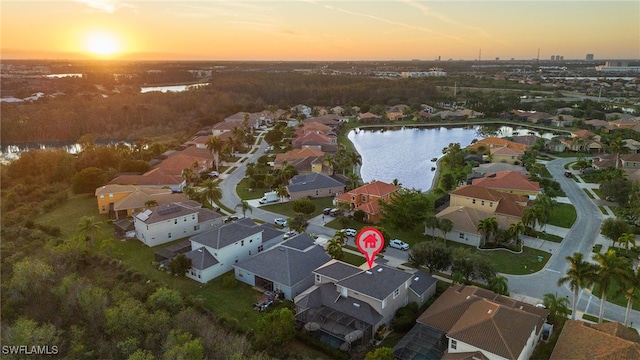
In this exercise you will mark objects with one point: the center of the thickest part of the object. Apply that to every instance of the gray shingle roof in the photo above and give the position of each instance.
(300, 242)
(285, 265)
(201, 258)
(338, 271)
(312, 181)
(227, 234)
(270, 232)
(421, 282)
(327, 296)
(378, 282)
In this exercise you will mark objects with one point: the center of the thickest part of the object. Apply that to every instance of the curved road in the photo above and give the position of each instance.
(580, 238)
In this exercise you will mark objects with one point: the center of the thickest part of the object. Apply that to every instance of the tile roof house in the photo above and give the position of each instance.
(495, 142)
(286, 268)
(469, 320)
(512, 182)
(492, 168)
(597, 123)
(315, 185)
(168, 222)
(471, 203)
(505, 155)
(120, 201)
(369, 117)
(155, 177)
(175, 164)
(239, 117)
(347, 302)
(366, 198)
(305, 161)
(580, 340)
(216, 250)
(316, 140)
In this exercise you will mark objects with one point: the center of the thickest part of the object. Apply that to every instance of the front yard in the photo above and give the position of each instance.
(286, 209)
(563, 215)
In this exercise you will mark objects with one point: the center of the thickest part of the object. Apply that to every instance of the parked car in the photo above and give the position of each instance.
(326, 211)
(568, 174)
(350, 232)
(399, 244)
(214, 174)
(231, 218)
(334, 212)
(290, 234)
(280, 222)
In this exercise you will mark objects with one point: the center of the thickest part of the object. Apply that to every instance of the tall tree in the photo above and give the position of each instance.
(580, 275)
(433, 255)
(334, 248)
(88, 226)
(445, 225)
(614, 228)
(431, 221)
(627, 240)
(609, 269)
(499, 285)
(282, 192)
(487, 227)
(210, 192)
(515, 230)
(215, 145)
(616, 147)
(631, 286)
(244, 206)
(407, 209)
(558, 308)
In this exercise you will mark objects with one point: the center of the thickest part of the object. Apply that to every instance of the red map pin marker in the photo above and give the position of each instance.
(370, 242)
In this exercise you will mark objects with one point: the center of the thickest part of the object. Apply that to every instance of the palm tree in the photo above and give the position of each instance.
(396, 182)
(626, 240)
(187, 174)
(269, 180)
(354, 159)
(616, 148)
(210, 193)
(354, 180)
(558, 308)
(88, 226)
(341, 236)
(515, 230)
(432, 223)
(530, 217)
(250, 169)
(610, 267)
(215, 145)
(488, 227)
(445, 225)
(631, 284)
(244, 206)
(334, 248)
(579, 275)
(499, 285)
(282, 192)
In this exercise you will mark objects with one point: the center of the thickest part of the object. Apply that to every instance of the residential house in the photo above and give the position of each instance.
(396, 113)
(313, 127)
(175, 164)
(492, 168)
(225, 127)
(165, 223)
(626, 162)
(624, 123)
(252, 120)
(369, 118)
(314, 185)
(305, 161)
(302, 109)
(121, 201)
(526, 140)
(562, 120)
(469, 204)
(584, 140)
(470, 114)
(505, 155)
(338, 110)
(217, 250)
(348, 303)
(316, 140)
(597, 124)
(155, 177)
(484, 145)
(540, 118)
(366, 198)
(512, 182)
(610, 340)
(467, 322)
(632, 146)
(332, 120)
(286, 268)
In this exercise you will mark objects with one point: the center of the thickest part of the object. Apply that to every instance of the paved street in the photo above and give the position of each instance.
(584, 233)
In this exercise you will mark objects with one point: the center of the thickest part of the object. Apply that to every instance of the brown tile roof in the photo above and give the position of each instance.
(152, 177)
(583, 134)
(506, 151)
(298, 154)
(580, 340)
(176, 163)
(465, 219)
(477, 192)
(313, 127)
(493, 142)
(311, 138)
(485, 320)
(137, 200)
(508, 204)
(507, 180)
(375, 188)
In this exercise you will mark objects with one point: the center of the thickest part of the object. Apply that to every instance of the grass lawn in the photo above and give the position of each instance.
(68, 215)
(599, 193)
(517, 264)
(563, 215)
(550, 237)
(353, 259)
(243, 190)
(544, 172)
(286, 208)
(588, 193)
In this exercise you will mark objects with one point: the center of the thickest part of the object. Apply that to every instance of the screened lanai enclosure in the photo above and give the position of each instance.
(342, 327)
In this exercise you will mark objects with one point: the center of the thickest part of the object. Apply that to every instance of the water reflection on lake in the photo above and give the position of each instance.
(406, 154)
(170, 88)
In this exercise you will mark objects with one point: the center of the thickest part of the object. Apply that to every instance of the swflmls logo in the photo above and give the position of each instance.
(30, 350)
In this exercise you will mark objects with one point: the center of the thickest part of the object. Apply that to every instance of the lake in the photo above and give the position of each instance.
(170, 88)
(406, 154)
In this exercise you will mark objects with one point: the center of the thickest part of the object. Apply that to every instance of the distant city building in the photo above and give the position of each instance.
(617, 66)
(431, 72)
(553, 57)
(589, 57)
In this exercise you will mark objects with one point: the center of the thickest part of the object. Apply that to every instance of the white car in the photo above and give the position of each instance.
(290, 234)
(281, 222)
(399, 244)
(214, 174)
(350, 232)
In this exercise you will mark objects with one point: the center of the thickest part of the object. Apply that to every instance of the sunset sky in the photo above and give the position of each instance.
(319, 30)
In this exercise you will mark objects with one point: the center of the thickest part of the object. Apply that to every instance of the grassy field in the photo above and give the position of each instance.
(243, 190)
(549, 237)
(563, 215)
(286, 208)
(588, 193)
(352, 259)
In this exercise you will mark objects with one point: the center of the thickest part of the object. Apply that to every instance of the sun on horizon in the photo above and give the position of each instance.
(102, 43)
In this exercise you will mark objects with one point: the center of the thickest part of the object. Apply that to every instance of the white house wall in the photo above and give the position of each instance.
(158, 233)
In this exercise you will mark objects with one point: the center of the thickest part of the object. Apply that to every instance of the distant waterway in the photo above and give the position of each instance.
(171, 88)
(10, 152)
(406, 154)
